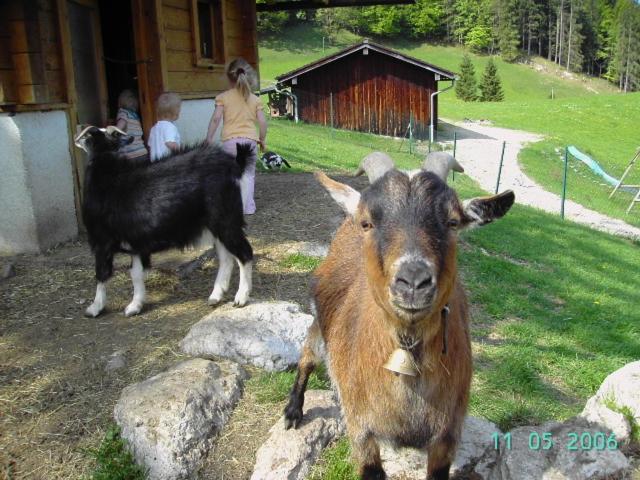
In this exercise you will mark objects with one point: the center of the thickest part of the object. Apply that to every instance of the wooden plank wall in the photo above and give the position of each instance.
(7, 88)
(371, 93)
(37, 73)
(183, 76)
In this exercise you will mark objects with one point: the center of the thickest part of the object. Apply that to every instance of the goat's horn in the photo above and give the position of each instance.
(112, 128)
(375, 165)
(441, 163)
(82, 134)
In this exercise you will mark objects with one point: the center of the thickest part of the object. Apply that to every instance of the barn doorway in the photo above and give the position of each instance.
(116, 20)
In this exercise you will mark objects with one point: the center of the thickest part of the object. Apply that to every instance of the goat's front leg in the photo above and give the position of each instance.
(308, 361)
(367, 454)
(139, 291)
(223, 278)
(104, 271)
(441, 454)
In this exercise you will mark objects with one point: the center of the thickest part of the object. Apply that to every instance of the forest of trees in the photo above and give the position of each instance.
(596, 37)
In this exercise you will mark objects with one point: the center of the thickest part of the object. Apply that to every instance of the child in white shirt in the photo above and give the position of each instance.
(164, 137)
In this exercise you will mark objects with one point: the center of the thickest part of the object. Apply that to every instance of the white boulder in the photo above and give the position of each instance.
(290, 454)
(620, 392)
(573, 450)
(170, 419)
(267, 335)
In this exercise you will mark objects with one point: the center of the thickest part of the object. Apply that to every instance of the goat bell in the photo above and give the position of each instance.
(401, 362)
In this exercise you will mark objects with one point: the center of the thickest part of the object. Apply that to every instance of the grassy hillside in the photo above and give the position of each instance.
(554, 305)
(584, 112)
(301, 45)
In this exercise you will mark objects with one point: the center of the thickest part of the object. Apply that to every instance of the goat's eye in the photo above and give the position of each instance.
(453, 223)
(366, 225)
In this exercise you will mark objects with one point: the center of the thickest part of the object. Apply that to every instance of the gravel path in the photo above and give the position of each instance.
(478, 148)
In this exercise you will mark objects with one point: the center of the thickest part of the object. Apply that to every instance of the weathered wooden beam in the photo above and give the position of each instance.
(274, 6)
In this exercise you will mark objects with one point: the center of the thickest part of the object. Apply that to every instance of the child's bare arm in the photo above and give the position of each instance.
(173, 146)
(214, 123)
(262, 123)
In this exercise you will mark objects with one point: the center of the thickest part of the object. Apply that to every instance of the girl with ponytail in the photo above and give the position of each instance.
(240, 110)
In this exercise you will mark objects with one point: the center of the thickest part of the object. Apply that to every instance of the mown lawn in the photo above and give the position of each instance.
(555, 303)
(585, 112)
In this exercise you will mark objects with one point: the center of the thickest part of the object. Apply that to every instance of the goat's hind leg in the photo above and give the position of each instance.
(235, 241)
(223, 278)
(139, 265)
(308, 361)
(104, 270)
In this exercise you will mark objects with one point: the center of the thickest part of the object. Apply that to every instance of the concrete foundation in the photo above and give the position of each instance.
(37, 208)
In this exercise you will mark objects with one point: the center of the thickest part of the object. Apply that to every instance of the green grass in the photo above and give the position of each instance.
(556, 302)
(585, 112)
(113, 459)
(335, 464)
(274, 387)
(300, 262)
(311, 147)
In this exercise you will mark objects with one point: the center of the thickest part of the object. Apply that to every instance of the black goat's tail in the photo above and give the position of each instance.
(244, 151)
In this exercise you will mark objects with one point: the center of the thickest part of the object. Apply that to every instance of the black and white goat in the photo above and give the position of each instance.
(141, 208)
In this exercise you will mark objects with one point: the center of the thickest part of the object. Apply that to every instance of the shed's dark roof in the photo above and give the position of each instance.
(361, 46)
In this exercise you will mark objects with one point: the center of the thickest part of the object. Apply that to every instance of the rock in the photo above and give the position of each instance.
(170, 419)
(619, 391)
(116, 361)
(314, 249)
(475, 449)
(267, 335)
(290, 454)
(7, 271)
(559, 461)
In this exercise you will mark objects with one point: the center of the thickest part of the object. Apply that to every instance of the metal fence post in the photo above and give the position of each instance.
(455, 139)
(410, 133)
(564, 181)
(331, 110)
(504, 144)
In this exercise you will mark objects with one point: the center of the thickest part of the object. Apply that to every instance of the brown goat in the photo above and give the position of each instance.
(390, 282)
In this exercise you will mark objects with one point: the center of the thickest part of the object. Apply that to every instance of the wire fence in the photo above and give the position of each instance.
(557, 170)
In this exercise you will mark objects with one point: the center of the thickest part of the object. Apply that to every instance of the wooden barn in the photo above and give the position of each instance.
(63, 64)
(369, 88)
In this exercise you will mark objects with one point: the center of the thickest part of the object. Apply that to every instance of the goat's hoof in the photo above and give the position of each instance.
(93, 311)
(213, 301)
(132, 309)
(373, 472)
(292, 417)
(241, 299)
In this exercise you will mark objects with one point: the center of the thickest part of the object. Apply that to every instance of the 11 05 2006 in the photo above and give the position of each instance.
(573, 441)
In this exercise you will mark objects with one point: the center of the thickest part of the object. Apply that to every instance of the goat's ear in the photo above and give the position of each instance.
(482, 210)
(344, 195)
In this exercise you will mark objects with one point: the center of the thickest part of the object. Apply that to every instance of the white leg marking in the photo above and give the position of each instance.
(139, 291)
(225, 269)
(99, 302)
(244, 288)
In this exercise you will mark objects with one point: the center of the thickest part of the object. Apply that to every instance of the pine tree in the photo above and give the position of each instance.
(466, 84)
(490, 85)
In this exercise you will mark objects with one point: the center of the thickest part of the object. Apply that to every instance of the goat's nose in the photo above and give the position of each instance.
(413, 278)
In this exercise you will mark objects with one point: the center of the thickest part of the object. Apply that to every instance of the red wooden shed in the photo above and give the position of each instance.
(369, 88)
